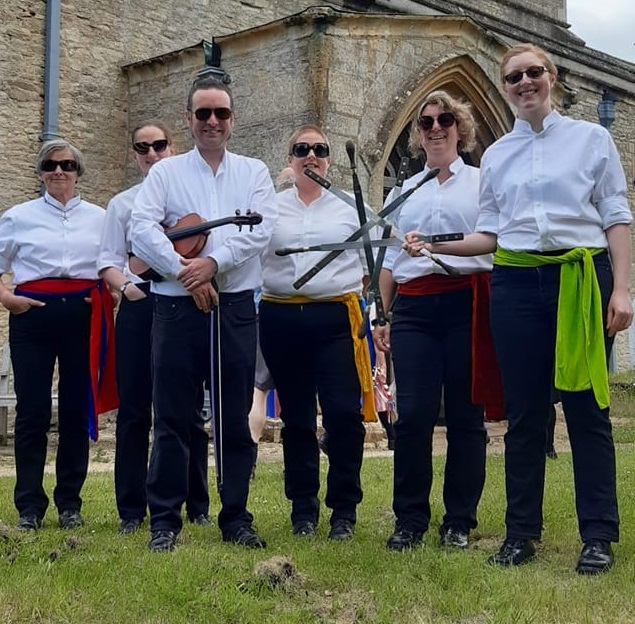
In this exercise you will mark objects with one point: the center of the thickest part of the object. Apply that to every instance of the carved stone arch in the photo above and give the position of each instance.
(462, 78)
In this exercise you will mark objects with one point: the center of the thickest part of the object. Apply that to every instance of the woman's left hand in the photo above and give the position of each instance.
(620, 312)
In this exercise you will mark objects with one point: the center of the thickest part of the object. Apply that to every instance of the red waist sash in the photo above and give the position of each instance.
(103, 395)
(487, 386)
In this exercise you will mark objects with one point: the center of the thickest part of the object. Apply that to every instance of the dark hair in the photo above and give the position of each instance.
(209, 82)
(152, 123)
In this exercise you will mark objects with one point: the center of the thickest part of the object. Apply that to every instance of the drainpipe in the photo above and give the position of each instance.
(51, 70)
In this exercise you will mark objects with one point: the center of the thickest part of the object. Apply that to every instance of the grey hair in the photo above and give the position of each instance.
(56, 145)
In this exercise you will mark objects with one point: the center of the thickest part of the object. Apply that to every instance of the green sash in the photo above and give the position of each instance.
(580, 350)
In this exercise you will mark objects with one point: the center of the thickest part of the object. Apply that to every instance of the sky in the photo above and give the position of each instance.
(607, 26)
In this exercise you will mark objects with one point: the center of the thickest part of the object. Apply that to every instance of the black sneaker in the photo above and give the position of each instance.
(304, 528)
(70, 519)
(513, 552)
(596, 557)
(404, 539)
(341, 530)
(162, 541)
(201, 520)
(453, 538)
(245, 535)
(29, 522)
(126, 527)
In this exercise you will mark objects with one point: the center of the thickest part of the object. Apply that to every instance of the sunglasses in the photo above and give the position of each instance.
(301, 150)
(203, 114)
(533, 72)
(445, 120)
(160, 145)
(65, 165)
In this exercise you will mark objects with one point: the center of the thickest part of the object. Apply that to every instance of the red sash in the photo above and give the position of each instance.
(487, 386)
(103, 395)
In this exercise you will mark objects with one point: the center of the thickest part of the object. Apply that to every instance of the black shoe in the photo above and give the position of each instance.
(162, 541)
(596, 557)
(551, 453)
(29, 522)
(391, 444)
(341, 530)
(513, 552)
(201, 520)
(245, 536)
(403, 539)
(323, 443)
(70, 519)
(126, 527)
(453, 538)
(304, 528)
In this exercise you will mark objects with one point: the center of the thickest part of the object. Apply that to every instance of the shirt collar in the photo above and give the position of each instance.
(74, 201)
(204, 166)
(522, 125)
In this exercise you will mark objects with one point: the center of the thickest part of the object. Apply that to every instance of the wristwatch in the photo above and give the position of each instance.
(122, 288)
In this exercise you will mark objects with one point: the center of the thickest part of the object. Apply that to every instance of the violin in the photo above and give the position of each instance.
(189, 235)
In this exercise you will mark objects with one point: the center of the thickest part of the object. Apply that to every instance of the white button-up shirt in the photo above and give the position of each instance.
(43, 238)
(555, 189)
(186, 184)
(115, 237)
(326, 220)
(437, 209)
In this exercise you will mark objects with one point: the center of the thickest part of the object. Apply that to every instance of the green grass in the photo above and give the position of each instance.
(95, 575)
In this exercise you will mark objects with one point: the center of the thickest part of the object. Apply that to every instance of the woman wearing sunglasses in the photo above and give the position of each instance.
(50, 244)
(309, 341)
(431, 335)
(554, 208)
(151, 142)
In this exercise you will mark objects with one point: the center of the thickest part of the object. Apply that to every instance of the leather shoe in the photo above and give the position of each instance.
(245, 536)
(453, 538)
(29, 522)
(341, 530)
(404, 539)
(70, 519)
(596, 557)
(201, 520)
(304, 528)
(513, 552)
(127, 527)
(162, 541)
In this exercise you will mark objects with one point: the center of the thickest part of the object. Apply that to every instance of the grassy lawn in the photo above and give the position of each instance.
(95, 575)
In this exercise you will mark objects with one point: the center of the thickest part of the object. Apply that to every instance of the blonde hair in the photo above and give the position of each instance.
(521, 48)
(465, 124)
(301, 130)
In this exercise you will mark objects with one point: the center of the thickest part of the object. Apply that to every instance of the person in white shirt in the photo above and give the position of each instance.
(50, 244)
(432, 333)
(309, 341)
(553, 206)
(213, 183)
(151, 142)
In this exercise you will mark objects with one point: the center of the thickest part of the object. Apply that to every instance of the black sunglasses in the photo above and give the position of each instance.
(160, 145)
(533, 72)
(203, 114)
(301, 150)
(65, 165)
(445, 120)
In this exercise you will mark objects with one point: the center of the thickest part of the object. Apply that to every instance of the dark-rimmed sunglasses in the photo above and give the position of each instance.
(445, 120)
(301, 150)
(141, 147)
(533, 72)
(203, 114)
(65, 165)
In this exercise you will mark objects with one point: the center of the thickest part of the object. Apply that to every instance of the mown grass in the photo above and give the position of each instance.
(95, 575)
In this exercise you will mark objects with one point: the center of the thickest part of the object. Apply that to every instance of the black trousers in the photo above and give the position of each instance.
(431, 349)
(309, 350)
(133, 333)
(523, 316)
(58, 331)
(182, 363)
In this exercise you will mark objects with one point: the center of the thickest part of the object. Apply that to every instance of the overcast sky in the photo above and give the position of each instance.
(608, 26)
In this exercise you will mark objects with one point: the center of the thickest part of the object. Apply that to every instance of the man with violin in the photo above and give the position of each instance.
(191, 347)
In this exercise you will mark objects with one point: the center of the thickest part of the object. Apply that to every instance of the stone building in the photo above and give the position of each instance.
(356, 67)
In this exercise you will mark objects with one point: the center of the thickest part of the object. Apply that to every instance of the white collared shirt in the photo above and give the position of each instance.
(555, 189)
(115, 237)
(43, 238)
(186, 184)
(437, 209)
(326, 220)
